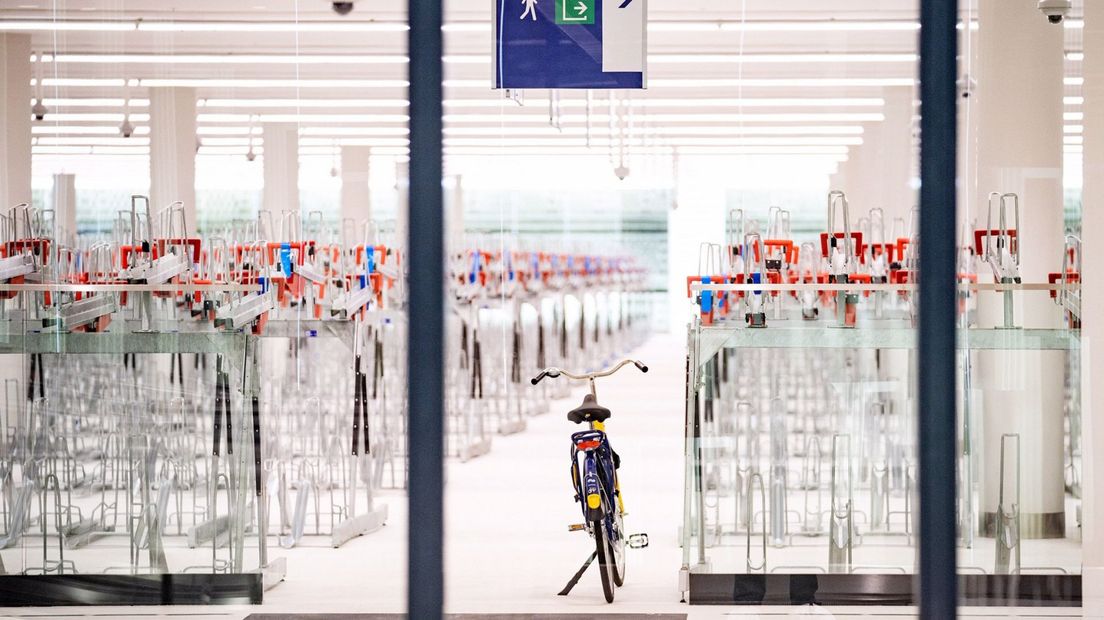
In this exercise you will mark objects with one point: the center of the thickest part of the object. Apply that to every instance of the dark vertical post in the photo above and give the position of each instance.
(938, 596)
(425, 257)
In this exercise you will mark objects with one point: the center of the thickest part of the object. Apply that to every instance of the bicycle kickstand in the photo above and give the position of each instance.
(579, 575)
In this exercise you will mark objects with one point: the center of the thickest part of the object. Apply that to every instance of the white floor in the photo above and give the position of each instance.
(507, 513)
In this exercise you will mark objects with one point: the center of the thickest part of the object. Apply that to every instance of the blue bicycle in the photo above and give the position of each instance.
(594, 467)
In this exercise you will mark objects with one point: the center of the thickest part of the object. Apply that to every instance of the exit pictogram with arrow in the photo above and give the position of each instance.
(575, 12)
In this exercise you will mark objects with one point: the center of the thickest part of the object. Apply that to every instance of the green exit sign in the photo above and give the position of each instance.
(578, 12)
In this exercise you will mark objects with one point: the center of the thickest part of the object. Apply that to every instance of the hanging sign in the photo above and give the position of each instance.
(587, 44)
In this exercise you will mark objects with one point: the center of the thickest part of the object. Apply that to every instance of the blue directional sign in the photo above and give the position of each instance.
(589, 44)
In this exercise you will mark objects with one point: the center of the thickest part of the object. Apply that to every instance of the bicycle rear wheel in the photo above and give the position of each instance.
(606, 564)
(618, 547)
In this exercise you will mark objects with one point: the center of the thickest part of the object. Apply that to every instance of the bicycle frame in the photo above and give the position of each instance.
(593, 472)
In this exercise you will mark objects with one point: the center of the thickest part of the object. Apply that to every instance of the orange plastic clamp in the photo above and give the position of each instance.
(690, 280)
(41, 247)
(902, 244)
(980, 235)
(791, 249)
(1055, 278)
(876, 249)
(193, 243)
(856, 236)
(862, 278)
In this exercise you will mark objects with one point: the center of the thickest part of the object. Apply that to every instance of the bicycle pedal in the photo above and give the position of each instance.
(637, 541)
(576, 527)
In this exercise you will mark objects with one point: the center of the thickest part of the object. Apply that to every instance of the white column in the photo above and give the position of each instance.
(877, 173)
(863, 176)
(1019, 117)
(836, 179)
(454, 219)
(15, 153)
(15, 119)
(893, 164)
(846, 178)
(356, 190)
(172, 161)
(65, 203)
(281, 168)
(860, 178)
(967, 133)
(402, 203)
(700, 218)
(173, 150)
(888, 160)
(280, 162)
(1092, 308)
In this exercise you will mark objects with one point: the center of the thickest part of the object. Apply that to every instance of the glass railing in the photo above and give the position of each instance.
(801, 426)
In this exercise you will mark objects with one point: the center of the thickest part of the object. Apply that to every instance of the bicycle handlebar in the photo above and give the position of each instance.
(556, 372)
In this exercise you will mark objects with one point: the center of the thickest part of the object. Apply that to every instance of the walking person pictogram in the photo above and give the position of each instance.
(530, 9)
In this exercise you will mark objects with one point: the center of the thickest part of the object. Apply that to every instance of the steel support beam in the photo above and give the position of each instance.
(937, 395)
(425, 337)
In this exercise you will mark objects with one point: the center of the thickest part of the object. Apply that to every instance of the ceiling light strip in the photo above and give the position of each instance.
(689, 102)
(222, 83)
(465, 59)
(227, 59)
(734, 82)
(499, 103)
(702, 26)
(751, 117)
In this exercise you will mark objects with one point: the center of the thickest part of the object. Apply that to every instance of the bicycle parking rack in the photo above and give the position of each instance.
(207, 475)
(840, 322)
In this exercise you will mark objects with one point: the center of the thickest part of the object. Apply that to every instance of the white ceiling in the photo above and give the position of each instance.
(713, 85)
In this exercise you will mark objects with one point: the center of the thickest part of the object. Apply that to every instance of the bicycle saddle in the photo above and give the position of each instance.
(589, 411)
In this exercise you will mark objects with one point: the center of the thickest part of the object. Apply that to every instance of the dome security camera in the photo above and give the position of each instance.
(39, 109)
(1055, 10)
(126, 129)
(966, 86)
(343, 8)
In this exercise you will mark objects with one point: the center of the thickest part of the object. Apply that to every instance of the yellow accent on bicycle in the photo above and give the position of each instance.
(620, 500)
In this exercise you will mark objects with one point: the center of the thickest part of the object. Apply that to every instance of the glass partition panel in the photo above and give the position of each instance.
(800, 421)
(203, 304)
(1020, 432)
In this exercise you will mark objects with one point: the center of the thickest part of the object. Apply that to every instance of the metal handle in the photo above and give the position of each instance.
(556, 372)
